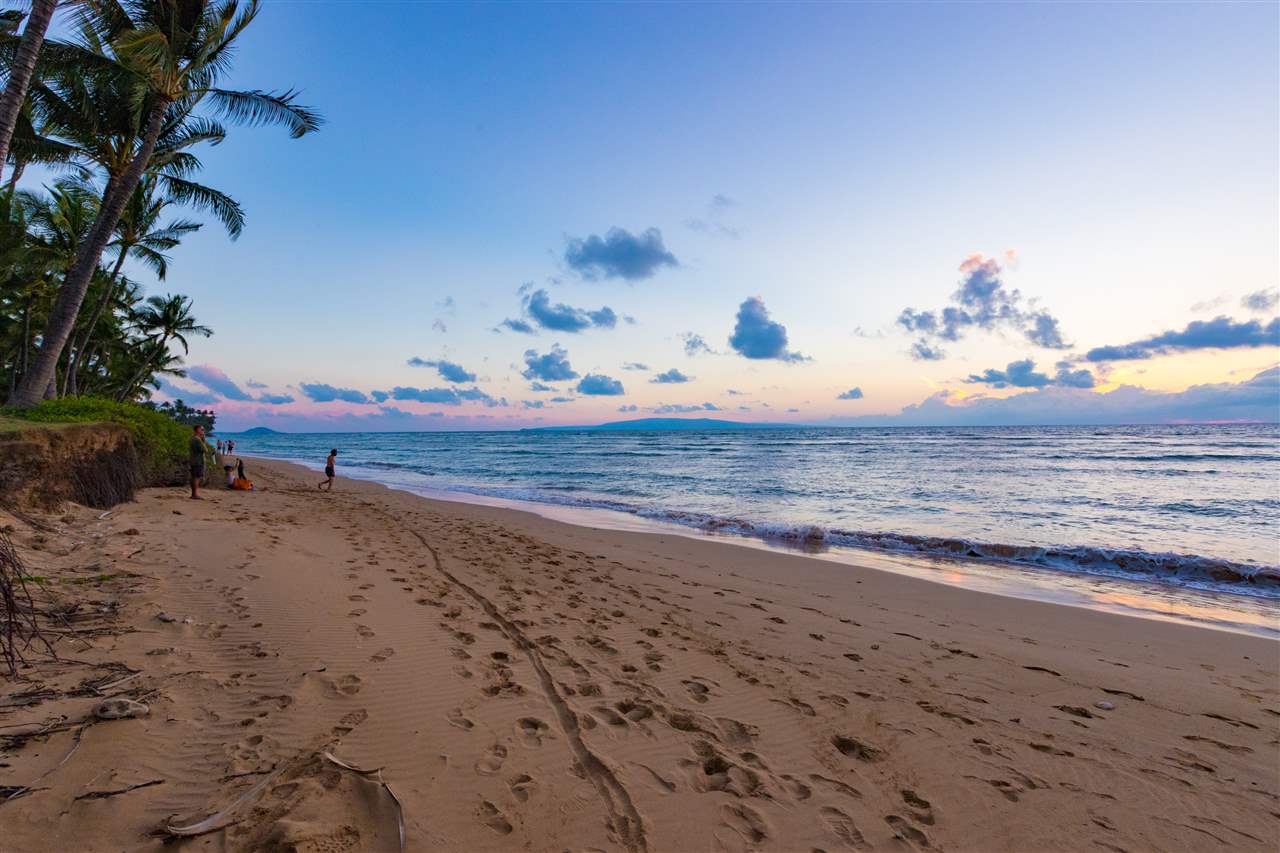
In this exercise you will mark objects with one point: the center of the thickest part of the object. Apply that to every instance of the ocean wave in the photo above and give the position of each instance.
(1188, 569)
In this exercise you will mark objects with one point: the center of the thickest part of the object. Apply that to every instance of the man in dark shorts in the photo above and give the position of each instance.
(327, 483)
(196, 450)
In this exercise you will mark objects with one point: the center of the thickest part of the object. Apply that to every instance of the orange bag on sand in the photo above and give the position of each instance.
(242, 484)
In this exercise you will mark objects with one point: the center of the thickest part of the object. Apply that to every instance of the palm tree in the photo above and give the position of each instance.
(161, 320)
(172, 52)
(20, 72)
(137, 234)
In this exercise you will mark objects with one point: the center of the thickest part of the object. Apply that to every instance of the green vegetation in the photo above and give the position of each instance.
(161, 442)
(119, 103)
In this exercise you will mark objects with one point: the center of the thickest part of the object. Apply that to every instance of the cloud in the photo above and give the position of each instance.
(1210, 304)
(439, 325)
(679, 409)
(562, 399)
(922, 351)
(533, 404)
(851, 394)
(320, 392)
(520, 326)
(671, 377)
(254, 384)
(559, 317)
(1018, 374)
(552, 366)
(694, 344)
(216, 381)
(1252, 400)
(1023, 374)
(448, 371)
(630, 407)
(598, 385)
(619, 254)
(1044, 332)
(538, 386)
(448, 305)
(1069, 378)
(379, 396)
(446, 396)
(713, 222)
(1218, 333)
(187, 395)
(980, 302)
(756, 336)
(734, 393)
(1262, 301)
(274, 399)
(634, 365)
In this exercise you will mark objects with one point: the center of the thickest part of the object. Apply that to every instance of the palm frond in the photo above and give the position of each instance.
(256, 107)
(222, 206)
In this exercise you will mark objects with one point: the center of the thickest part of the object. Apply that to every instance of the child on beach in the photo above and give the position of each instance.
(327, 483)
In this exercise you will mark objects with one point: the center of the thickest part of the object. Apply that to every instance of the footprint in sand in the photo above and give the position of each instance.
(697, 691)
(532, 730)
(492, 761)
(358, 612)
(379, 657)
(455, 718)
(923, 809)
(842, 827)
(356, 598)
(522, 787)
(348, 685)
(494, 819)
(905, 831)
(365, 631)
(745, 821)
(857, 749)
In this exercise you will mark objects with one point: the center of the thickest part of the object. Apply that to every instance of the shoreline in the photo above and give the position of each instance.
(1219, 609)
(530, 684)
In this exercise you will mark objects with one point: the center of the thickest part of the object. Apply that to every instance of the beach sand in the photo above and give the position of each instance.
(532, 685)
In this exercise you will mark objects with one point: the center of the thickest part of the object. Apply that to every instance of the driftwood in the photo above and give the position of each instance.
(19, 630)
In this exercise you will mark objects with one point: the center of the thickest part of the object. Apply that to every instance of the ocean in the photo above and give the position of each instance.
(1180, 519)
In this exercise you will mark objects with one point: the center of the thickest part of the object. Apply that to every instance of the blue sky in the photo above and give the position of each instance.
(818, 166)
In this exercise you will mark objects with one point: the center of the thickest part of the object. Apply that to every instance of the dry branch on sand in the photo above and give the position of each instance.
(19, 630)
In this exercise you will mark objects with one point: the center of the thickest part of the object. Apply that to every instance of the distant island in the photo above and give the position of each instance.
(665, 424)
(260, 431)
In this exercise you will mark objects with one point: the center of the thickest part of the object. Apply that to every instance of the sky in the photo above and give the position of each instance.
(536, 214)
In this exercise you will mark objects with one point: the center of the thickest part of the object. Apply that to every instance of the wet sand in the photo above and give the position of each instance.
(527, 684)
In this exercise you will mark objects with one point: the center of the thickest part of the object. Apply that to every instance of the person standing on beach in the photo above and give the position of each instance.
(327, 483)
(196, 448)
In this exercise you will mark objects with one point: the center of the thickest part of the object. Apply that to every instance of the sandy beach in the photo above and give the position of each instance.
(531, 685)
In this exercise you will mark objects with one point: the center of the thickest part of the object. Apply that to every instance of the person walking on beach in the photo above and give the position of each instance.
(196, 448)
(327, 483)
(219, 447)
(231, 447)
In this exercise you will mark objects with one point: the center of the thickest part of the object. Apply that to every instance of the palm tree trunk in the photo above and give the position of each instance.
(66, 307)
(74, 357)
(24, 65)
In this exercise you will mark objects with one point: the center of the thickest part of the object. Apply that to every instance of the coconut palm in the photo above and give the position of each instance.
(21, 71)
(172, 53)
(163, 319)
(138, 234)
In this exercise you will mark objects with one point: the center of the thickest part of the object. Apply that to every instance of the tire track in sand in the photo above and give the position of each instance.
(623, 816)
